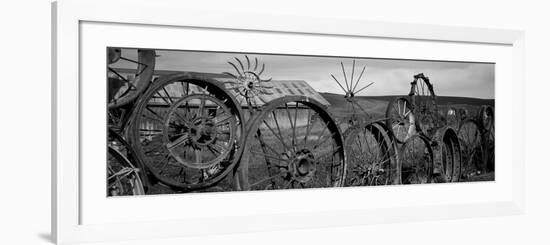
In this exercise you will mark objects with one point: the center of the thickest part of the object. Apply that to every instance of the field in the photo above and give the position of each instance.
(376, 106)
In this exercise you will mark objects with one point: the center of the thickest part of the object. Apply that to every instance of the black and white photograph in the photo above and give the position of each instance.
(276, 122)
(186, 121)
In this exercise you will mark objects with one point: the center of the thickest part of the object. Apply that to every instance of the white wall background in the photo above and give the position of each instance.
(25, 122)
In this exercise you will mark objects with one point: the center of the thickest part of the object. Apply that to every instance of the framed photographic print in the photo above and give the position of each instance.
(208, 125)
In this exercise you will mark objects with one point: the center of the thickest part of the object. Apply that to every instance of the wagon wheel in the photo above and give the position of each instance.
(486, 117)
(294, 143)
(471, 146)
(125, 89)
(447, 155)
(400, 119)
(423, 101)
(370, 156)
(187, 130)
(123, 177)
(416, 159)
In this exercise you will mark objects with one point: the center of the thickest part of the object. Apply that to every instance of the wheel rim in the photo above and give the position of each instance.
(187, 163)
(371, 158)
(401, 119)
(124, 89)
(450, 153)
(472, 149)
(294, 144)
(489, 145)
(122, 177)
(416, 160)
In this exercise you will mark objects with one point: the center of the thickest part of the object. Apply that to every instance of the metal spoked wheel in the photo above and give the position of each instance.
(293, 143)
(423, 101)
(487, 120)
(471, 146)
(125, 89)
(416, 159)
(486, 117)
(400, 119)
(370, 156)
(123, 177)
(188, 131)
(447, 155)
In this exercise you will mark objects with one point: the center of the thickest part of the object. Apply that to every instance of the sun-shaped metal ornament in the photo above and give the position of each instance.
(247, 81)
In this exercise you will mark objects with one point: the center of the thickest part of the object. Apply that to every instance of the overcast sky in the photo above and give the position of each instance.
(390, 77)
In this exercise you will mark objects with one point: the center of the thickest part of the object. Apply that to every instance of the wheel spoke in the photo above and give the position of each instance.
(269, 156)
(179, 141)
(198, 155)
(278, 129)
(270, 178)
(201, 106)
(294, 139)
(222, 121)
(168, 95)
(308, 131)
(321, 142)
(292, 126)
(276, 135)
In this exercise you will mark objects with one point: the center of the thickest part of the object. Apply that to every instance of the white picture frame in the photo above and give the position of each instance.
(69, 201)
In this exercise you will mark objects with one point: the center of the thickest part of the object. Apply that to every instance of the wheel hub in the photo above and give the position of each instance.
(204, 131)
(303, 166)
(250, 82)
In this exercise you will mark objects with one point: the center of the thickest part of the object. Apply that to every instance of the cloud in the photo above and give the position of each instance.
(391, 76)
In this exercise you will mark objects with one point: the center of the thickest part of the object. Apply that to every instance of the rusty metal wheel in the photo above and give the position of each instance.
(188, 131)
(371, 156)
(138, 64)
(292, 143)
(486, 118)
(471, 145)
(447, 155)
(423, 101)
(123, 177)
(400, 120)
(416, 160)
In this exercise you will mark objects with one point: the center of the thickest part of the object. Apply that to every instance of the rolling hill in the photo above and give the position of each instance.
(376, 105)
